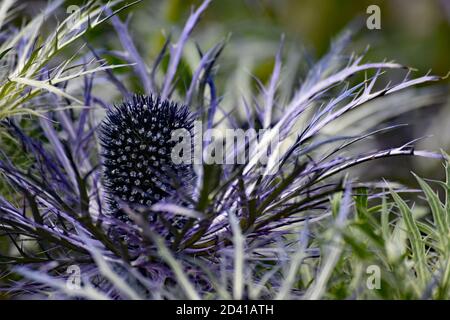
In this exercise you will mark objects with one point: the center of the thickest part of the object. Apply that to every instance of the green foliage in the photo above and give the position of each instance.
(411, 252)
(28, 58)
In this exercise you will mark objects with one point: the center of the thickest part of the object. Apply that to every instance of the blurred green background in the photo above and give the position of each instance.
(415, 32)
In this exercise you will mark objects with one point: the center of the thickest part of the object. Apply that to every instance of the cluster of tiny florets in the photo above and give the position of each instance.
(136, 148)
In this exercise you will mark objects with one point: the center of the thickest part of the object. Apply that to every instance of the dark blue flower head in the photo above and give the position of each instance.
(136, 150)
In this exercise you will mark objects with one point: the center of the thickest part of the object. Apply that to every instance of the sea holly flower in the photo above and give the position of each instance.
(102, 194)
(137, 144)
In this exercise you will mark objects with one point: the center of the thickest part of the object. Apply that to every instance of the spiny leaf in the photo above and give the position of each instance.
(417, 246)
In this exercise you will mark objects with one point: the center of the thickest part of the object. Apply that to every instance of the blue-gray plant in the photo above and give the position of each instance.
(237, 220)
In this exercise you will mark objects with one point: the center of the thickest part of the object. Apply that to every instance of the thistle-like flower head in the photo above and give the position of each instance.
(136, 148)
